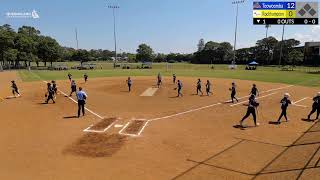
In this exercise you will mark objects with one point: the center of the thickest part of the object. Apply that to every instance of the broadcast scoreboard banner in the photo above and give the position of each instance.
(290, 13)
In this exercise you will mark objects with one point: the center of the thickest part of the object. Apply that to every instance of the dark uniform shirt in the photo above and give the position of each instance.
(254, 90)
(199, 84)
(285, 103)
(316, 101)
(179, 85)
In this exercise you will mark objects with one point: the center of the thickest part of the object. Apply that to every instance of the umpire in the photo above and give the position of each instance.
(81, 96)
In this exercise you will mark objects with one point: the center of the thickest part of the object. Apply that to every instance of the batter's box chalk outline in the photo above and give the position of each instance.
(88, 129)
(123, 130)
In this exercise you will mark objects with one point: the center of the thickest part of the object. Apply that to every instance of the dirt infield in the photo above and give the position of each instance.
(192, 137)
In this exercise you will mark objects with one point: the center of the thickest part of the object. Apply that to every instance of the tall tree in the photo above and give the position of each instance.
(144, 53)
(48, 49)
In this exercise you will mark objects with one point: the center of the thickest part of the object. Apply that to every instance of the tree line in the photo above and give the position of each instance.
(26, 45)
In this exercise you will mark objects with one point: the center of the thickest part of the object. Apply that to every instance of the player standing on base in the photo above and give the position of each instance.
(15, 89)
(285, 101)
(315, 106)
(253, 104)
(81, 96)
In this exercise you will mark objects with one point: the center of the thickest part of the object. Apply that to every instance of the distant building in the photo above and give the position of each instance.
(312, 52)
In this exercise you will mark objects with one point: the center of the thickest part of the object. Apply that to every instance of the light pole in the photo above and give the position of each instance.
(76, 31)
(236, 28)
(267, 28)
(114, 34)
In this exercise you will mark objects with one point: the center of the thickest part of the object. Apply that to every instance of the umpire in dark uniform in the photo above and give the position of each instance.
(81, 96)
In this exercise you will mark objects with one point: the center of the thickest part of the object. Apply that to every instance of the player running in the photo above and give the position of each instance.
(253, 104)
(15, 89)
(129, 83)
(73, 87)
(50, 93)
(208, 88)
(233, 92)
(254, 90)
(199, 87)
(285, 101)
(315, 106)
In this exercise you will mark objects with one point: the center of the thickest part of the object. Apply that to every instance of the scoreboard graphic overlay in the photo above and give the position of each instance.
(289, 13)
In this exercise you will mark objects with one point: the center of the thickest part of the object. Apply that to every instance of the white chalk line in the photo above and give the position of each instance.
(104, 130)
(185, 112)
(256, 98)
(134, 135)
(296, 103)
(262, 92)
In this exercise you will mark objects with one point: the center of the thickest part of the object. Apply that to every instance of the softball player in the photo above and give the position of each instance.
(129, 83)
(285, 101)
(85, 76)
(174, 77)
(69, 76)
(254, 90)
(73, 87)
(179, 87)
(50, 94)
(55, 88)
(253, 104)
(15, 89)
(208, 88)
(233, 92)
(159, 78)
(199, 87)
(315, 106)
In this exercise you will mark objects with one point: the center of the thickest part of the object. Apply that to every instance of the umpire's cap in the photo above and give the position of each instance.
(287, 95)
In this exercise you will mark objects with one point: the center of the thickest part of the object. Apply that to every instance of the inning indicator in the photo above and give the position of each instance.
(290, 13)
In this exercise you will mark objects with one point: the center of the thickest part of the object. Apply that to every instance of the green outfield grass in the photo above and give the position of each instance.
(267, 74)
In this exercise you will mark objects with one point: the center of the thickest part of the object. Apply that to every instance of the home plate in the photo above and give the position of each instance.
(118, 126)
(149, 92)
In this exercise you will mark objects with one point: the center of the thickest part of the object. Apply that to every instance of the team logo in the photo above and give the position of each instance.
(256, 5)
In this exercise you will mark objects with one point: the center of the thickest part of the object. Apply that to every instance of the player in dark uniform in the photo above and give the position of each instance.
(199, 87)
(50, 94)
(315, 106)
(129, 83)
(208, 88)
(285, 101)
(233, 92)
(55, 88)
(251, 110)
(69, 76)
(73, 87)
(179, 87)
(254, 90)
(15, 89)
(159, 82)
(85, 76)
(174, 77)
